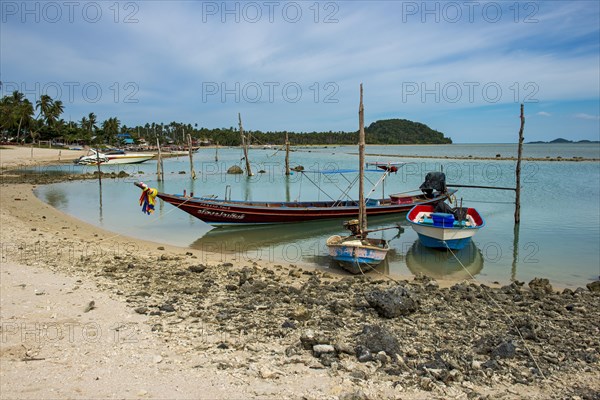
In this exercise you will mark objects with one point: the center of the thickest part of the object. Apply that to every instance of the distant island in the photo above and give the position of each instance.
(561, 140)
(388, 131)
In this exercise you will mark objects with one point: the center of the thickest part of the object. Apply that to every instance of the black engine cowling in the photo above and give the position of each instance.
(434, 181)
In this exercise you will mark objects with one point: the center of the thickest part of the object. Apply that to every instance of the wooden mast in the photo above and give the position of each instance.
(159, 162)
(362, 212)
(245, 146)
(518, 171)
(192, 171)
(287, 155)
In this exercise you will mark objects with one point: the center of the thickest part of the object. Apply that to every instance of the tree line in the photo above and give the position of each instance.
(24, 122)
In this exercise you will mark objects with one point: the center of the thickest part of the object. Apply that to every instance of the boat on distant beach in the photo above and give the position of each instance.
(445, 230)
(112, 157)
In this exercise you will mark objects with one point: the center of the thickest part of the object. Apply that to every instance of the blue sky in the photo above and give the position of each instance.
(460, 67)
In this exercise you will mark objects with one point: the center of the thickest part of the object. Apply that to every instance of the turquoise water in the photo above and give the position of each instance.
(558, 238)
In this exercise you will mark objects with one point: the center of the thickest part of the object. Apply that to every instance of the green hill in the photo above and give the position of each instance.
(403, 131)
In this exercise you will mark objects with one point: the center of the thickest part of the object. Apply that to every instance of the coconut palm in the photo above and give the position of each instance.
(111, 128)
(24, 113)
(92, 120)
(44, 104)
(56, 110)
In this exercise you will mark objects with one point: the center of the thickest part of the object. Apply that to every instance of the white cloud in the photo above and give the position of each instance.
(587, 117)
(174, 49)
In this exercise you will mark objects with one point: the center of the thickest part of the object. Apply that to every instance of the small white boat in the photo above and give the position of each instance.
(357, 255)
(443, 230)
(113, 157)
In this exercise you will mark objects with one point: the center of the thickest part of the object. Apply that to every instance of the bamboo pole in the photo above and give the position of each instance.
(362, 213)
(287, 155)
(518, 171)
(159, 177)
(98, 165)
(245, 146)
(192, 171)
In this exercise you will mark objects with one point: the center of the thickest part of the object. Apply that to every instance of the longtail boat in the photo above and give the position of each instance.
(227, 212)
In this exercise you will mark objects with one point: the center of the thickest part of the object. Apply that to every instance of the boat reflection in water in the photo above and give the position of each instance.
(443, 264)
(291, 243)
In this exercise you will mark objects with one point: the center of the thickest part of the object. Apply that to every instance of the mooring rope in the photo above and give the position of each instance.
(502, 310)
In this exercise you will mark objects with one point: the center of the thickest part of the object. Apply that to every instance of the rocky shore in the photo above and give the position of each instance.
(383, 336)
(280, 331)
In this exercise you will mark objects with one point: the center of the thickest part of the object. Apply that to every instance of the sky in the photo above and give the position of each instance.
(461, 67)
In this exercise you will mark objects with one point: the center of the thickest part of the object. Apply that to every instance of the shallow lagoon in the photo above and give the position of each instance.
(558, 238)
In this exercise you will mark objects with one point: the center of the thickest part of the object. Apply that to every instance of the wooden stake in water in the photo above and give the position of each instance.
(518, 171)
(245, 146)
(217, 152)
(192, 171)
(362, 213)
(98, 165)
(287, 155)
(159, 163)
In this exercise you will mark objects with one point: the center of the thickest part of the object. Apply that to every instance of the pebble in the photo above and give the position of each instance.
(319, 349)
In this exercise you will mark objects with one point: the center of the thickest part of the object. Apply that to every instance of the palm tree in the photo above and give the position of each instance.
(44, 104)
(55, 111)
(92, 122)
(111, 128)
(24, 112)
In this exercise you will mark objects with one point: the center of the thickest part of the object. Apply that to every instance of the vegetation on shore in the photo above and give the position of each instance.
(22, 121)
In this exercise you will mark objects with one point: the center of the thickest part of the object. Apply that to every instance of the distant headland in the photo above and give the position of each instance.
(561, 140)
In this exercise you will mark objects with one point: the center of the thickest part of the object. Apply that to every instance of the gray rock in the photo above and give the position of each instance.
(376, 338)
(363, 354)
(308, 339)
(344, 348)
(197, 268)
(392, 303)
(540, 286)
(328, 359)
(505, 349)
(167, 307)
(235, 169)
(594, 286)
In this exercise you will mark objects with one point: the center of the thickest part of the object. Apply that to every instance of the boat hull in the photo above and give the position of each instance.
(355, 256)
(456, 236)
(221, 212)
(115, 159)
(128, 159)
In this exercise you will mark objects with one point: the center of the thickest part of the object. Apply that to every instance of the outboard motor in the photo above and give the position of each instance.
(434, 181)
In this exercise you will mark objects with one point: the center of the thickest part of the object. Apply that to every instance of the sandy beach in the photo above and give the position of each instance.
(86, 313)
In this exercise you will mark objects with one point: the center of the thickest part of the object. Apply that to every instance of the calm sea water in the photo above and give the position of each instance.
(558, 238)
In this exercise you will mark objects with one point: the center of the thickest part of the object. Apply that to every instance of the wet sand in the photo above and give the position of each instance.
(169, 322)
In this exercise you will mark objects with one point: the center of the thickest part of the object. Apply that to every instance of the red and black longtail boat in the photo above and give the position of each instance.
(232, 212)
